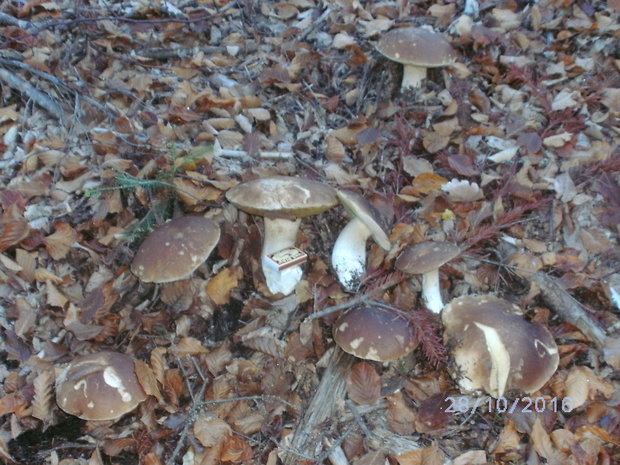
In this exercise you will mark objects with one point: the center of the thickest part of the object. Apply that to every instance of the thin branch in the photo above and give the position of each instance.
(362, 298)
(24, 87)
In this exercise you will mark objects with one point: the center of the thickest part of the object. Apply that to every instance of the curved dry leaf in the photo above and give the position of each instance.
(265, 340)
(158, 362)
(59, 243)
(236, 450)
(12, 232)
(218, 359)
(220, 286)
(400, 416)
(173, 385)
(427, 182)
(55, 298)
(146, 378)
(190, 346)
(581, 383)
(211, 431)
(43, 390)
(364, 384)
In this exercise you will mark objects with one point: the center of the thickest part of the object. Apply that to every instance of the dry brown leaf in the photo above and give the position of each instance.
(218, 359)
(236, 450)
(158, 362)
(59, 243)
(55, 298)
(471, 457)
(433, 141)
(249, 424)
(400, 416)
(12, 231)
(174, 386)
(12, 403)
(508, 439)
(190, 346)
(541, 441)
(364, 384)
(43, 390)
(147, 380)
(220, 286)
(427, 182)
(582, 384)
(211, 430)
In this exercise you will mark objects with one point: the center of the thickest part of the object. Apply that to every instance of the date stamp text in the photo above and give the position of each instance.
(465, 404)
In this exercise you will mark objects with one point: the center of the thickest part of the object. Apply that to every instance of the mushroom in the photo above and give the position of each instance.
(425, 258)
(101, 386)
(283, 201)
(417, 49)
(174, 250)
(374, 332)
(349, 252)
(494, 348)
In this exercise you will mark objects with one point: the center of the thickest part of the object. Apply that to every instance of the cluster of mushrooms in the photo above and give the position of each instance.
(105, 386)
(494, 349)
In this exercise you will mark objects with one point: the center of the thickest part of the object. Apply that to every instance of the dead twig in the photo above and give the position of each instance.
(569, 309)
(330, 392)
(27, 89)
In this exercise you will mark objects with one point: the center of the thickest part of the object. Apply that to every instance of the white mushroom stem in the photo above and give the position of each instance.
(431, 292)
(349, 253)
(280, 234)
(413, 76)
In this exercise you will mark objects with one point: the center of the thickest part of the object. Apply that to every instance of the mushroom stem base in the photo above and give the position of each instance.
(349, 253)
(431, 292)
(412, 77)
(280, 234)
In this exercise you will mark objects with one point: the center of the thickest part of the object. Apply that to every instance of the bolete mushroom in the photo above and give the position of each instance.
(425, 258)
(374, 332)
(98, 387)
(417, 49)
(349, 252)
(174, 250)
(283, 201)
(494, 348)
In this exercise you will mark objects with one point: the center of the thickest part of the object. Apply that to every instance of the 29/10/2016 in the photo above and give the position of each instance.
(465, 404)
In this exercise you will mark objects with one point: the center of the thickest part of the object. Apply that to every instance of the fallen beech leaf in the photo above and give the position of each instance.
(428, 182)
(364, 384)
(190, 346)
(557, 140)
(462, 191)
(11, 232)
(593, 430)
(147, 379)
(59, 243)
(401, 417)
(220, 286)
(582, 384)
(471, 457)
(508, 439)
(211, 431)
(236, 450)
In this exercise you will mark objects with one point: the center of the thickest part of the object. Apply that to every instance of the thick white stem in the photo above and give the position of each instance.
(349, 254)
(431, 291)
(412, 77)
(280, 234)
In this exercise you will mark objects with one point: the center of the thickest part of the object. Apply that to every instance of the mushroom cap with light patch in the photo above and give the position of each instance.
(175, 249)
(374, 333)
(494, 348)
(360, 208)
(417, 47)
(282, 197)
(98, 387)
(426, 256)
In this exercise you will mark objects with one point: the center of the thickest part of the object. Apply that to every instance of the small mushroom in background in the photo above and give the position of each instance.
(494, 348)
(282, 201)
(349, 252)
(175, 250)
(375, 333)
(99, 387)
(425, 258)
(417, 49)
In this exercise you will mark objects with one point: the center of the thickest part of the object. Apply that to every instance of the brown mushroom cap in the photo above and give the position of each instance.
(175, 249)
(282, 197)
(98, 387)
(360, 208)
(426, 256)
(494, 348)
(417, 47)
(374, 333)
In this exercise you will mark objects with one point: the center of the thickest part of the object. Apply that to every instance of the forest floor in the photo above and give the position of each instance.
(116, 116)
